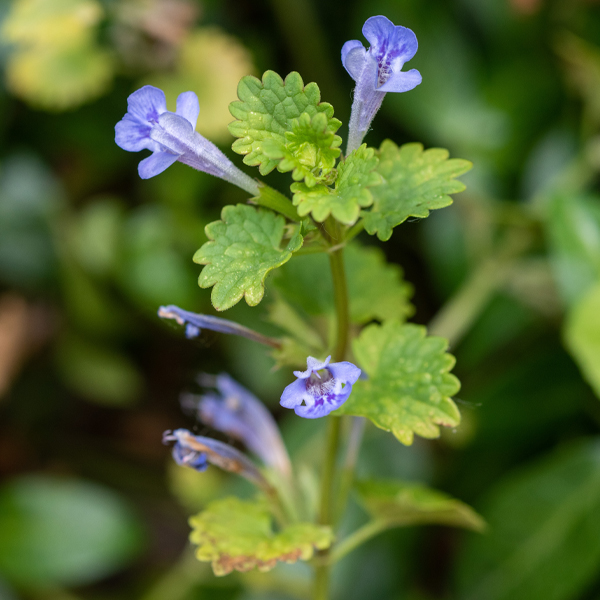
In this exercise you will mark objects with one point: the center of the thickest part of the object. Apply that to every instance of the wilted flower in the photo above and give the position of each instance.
(377, 71)
(235, 411)
(196, 452)
(315, 394)
(172, 137)
(195, 322)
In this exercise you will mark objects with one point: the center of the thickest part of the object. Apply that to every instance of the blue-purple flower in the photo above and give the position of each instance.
(377, 71)
(233, 410)
(195, 323)
(171, 137)
(320, 389)
(196, 452)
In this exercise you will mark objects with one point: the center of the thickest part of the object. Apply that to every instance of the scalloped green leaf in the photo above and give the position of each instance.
(242, 248)
(402, 503)
(414, 182)
(409, 386)
(305, 283)
(355, 176)
(234, 534)
(265, 112)
(310, 149)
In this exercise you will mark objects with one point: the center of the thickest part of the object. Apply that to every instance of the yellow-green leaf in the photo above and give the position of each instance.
(234, 534)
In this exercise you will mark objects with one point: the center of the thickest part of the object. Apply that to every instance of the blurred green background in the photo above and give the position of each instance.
(90, 505)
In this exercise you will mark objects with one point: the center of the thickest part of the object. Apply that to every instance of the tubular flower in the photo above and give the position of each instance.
(377, 71)
(320, 389)
(194, 324)
(233, 410)
(148, 125)
(196, 452)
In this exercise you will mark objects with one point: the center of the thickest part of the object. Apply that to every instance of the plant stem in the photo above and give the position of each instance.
(358, 537)
(340, 293)
(347, 476)
(340, 288)
(271, 198)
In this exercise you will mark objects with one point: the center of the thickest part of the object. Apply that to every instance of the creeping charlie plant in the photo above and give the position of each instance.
(362, 360)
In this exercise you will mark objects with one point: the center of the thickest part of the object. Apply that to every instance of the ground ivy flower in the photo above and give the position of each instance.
(148, 125)
(323, 387)
(233, 410)
(196, 452)
(195, 323)
(377, 71)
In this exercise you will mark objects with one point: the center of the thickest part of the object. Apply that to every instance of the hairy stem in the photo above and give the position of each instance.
(340, 287)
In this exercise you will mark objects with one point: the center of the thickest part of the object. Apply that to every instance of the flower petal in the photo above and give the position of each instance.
(156, 164)
(313, 365)
(294, 394)
(403, 43)
(324, 405)
(401, 82)
(345, 371)
(174, 132)
(377, 30)
(353, 58)
(133, 136)
(147, 103)
(188, 107)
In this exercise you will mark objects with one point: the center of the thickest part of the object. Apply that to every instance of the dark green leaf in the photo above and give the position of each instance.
(306, 283)
(544, 532)
(402, 503)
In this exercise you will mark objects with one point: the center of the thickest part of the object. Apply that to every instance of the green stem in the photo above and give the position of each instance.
(340, 293)
(340, 288)
(271, 198)
(355, 539)
(347, 476)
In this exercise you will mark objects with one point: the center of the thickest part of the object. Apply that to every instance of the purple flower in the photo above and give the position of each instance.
(315, 394)
(148, 125)
(238, 413)
(377, 70)
(196, 452)
(195, 323)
